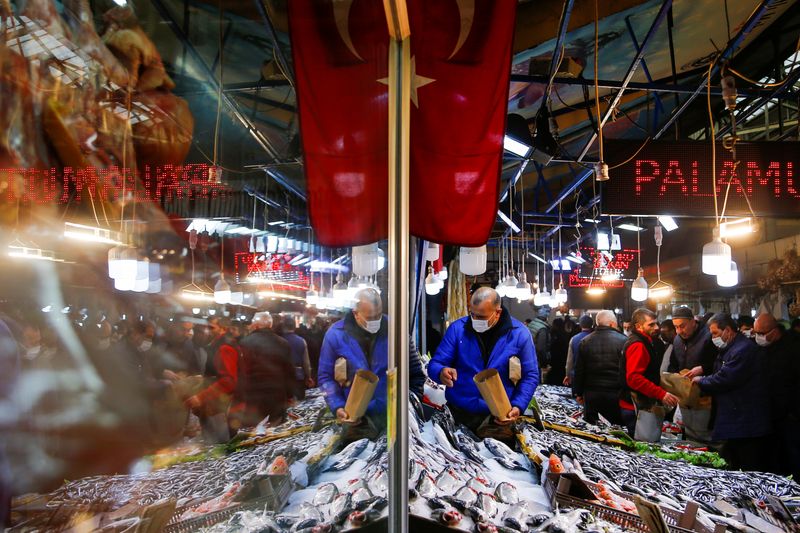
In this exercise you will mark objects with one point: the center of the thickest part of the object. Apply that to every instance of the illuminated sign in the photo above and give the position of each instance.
(151, 183)
(604, 269)
(674, 178)
(269, 268)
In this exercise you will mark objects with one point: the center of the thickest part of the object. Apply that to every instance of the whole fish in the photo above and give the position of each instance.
(341, 507)
(516, 516)
(567, 522)
(348, 456)
(309, 516)
(447, 480)
(478, 485)
(506, 493)
(361, 495)
(503, 454)
(426, 485)
(379, 482)
(488, 503)
(449, 517)
(468, 447)
(463, 498)
(325, 494)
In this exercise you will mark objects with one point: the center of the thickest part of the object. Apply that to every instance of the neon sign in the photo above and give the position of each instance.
(604, 269)
(269, 268)
(674, 178)
(150, 184)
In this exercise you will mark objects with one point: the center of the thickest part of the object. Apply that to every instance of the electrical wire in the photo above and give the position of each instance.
(647, 140)
(219, 86)
(596, 88)
(759, 83)
(713, 142)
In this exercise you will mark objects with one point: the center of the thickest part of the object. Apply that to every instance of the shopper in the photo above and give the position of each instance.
(640, 378)
(626, 328)
(11, 364)
(221, 372)
(667, 338)
(488, 338)
(585, 322)
(693, 355)
(299, 356)
(559, 345)
(597, 383)
(266, 379)
(782, 354)
(746, 324)
(739, 388)
(540, 333)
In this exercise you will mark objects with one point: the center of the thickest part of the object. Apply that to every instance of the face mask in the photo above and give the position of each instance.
(373, 326)
(718, 342)
(145, 345)
(480, 325)
(104, 344)
(33, 351)
(626, 332)
(761, 340)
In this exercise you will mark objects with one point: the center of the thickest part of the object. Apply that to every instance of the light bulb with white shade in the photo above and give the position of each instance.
(716, 255)
(639, 289)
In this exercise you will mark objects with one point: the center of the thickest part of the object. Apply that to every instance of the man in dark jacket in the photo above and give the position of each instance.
(782, 354)
(739, 389)
(299, 356)
(597, 370)
(266, 376)
(641, 378)
(488, 338)
(586, 323)
(693, 354)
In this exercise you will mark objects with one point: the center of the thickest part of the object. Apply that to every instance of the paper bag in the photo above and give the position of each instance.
(682, 387)
(340, 372)
(514, 370)
(494, 394)
(364, 384)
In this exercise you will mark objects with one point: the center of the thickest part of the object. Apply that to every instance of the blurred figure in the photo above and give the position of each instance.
(540, 333)
(266, 376)
(597, 383)
(299, 357)
(745, 324)
(626, 328)
(559, 344)
(782, 354)
(641, 379)
(432, 337)
(585, 322)
(11, 365)
(739, 388)
(666, 338)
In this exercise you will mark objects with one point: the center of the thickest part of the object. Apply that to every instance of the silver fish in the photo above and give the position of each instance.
(488, 503)
(506, 493)
(516, 516)
(426, 486)
(503, 454)
(325, 494)
(447, 480)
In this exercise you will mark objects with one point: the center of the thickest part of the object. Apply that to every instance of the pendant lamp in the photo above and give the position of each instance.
(716, 255)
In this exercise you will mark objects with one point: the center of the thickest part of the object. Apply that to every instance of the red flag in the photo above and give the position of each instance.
(461, 63)
(341, 50)
(458, 118)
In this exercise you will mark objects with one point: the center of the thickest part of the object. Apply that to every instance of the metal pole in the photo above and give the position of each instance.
(397, 402)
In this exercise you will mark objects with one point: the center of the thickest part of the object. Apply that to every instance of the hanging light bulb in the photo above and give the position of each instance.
(716, 255)
(142, 281)
(432, 288)
(438, 280)
(730, 278)
(472, 261)
(312, 296)
(431, 251)
(114, 257)
(352, 287)
(595, 290)
(365, 259)
(154, 279)
(500, 289)
(660, 290)
(340, 293)
(222, 291)
(639, 288)
(126, 269)
(561, 294)
(523, 289)
(443, 273)
(510, 286)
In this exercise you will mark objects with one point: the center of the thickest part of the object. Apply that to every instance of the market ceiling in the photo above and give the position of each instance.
(673, 39)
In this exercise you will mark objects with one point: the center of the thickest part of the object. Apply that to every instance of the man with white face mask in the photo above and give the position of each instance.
(781, 351)
(361, 341)
(487, 338)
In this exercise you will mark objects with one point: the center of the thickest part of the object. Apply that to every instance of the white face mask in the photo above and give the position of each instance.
(373, 326)
(718, 342)
(761, 340)
(748, 333)
(145, 345)
(480, 325)
(33, 351)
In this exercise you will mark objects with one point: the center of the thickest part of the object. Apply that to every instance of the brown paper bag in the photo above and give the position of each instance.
(682, 387)
(514, 370)
(361, 392)
(340, 372)
(491, 388)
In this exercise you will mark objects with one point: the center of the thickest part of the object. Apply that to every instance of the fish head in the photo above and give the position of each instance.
(451, 517)
(357, 517)
(484, 527)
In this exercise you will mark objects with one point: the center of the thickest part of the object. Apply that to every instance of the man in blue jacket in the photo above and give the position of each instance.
(741, 397)
(488, 338)
(360, 341)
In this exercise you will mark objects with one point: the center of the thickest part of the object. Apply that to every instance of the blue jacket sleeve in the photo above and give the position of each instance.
(445, 354)
(530, 374)
(325, 375)
(733, 373)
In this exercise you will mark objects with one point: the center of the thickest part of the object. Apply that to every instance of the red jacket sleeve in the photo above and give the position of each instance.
(226, 362)
(637, 360)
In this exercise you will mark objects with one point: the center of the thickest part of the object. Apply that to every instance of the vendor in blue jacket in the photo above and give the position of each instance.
(360, 341)
(488, 338)
(740, 393)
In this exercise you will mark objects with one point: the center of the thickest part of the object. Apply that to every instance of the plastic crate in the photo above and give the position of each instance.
(630, 522)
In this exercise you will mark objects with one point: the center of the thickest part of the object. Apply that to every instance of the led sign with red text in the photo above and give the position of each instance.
(150, 183)
(674, 178)
(269, 268)
(607, 269)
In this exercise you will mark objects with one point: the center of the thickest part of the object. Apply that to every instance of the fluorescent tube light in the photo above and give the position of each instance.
(516, 147)
(508, 221)
(668, 223)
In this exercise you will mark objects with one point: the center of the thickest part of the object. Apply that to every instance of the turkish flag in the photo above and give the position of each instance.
(461, 63)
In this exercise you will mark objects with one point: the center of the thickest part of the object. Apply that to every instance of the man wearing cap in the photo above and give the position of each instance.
(586, 323)
(488, 338)
(641, 378)
(693, 354)
(360, 341)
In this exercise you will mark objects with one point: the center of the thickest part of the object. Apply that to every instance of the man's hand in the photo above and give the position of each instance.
(512, 415)
(341, 414)
(567, 381)
(193, 403)
(170, 375)
(448, 376)
(309, 382)
(697, 379)
(670, 400)
(579, 399)
(695, 372)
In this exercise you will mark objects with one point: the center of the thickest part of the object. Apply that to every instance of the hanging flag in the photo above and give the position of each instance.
(460, 68)
(340, 50)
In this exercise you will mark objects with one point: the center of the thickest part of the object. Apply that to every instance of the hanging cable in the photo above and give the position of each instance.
(713, 142)
(596, 88)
